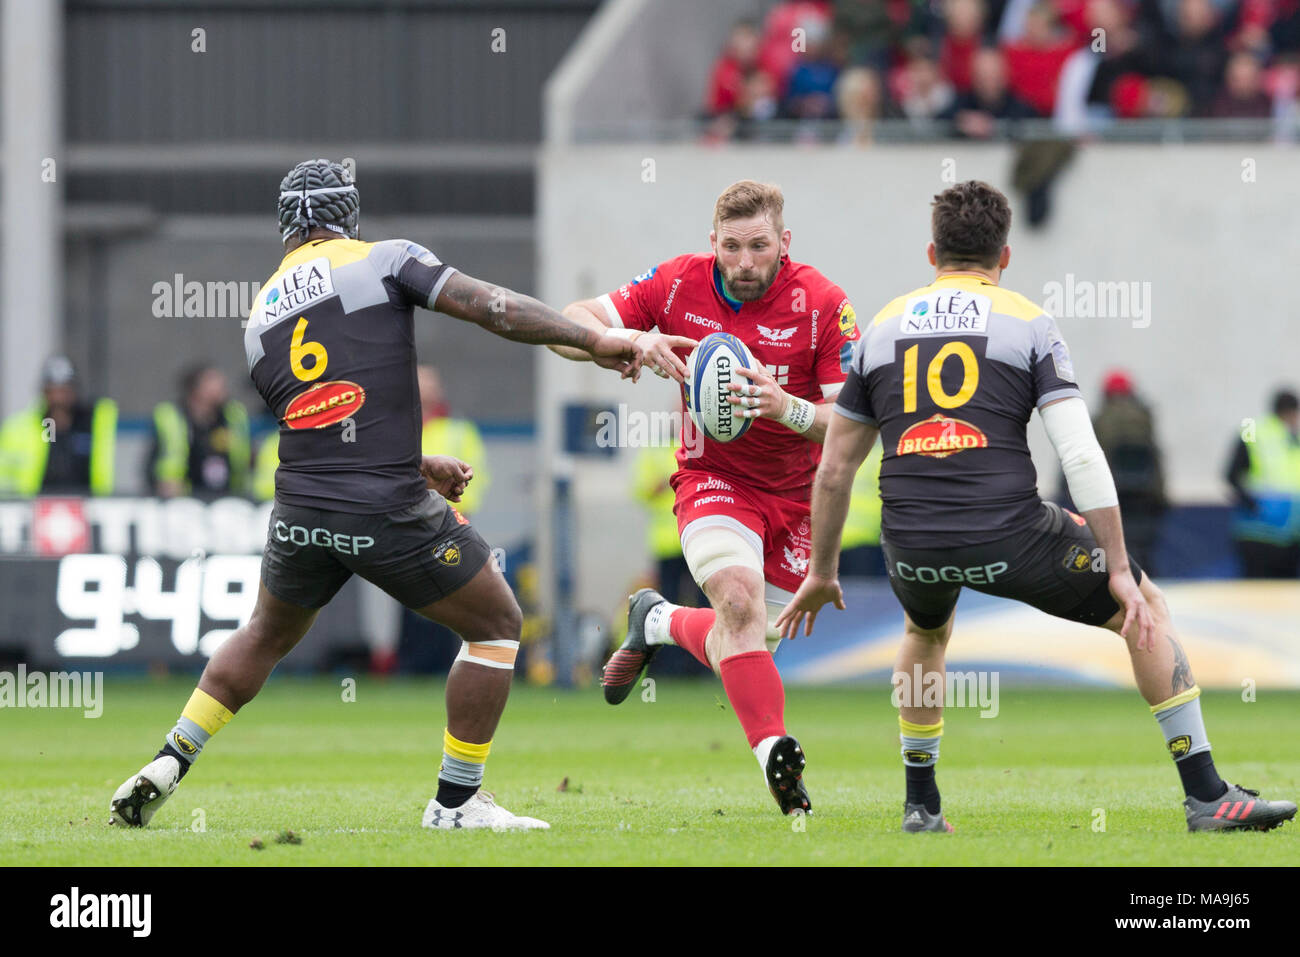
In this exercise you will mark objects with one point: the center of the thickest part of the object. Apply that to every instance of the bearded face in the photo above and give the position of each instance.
(749, 253)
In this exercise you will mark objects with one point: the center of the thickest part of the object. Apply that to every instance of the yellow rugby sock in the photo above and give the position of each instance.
(203, 717)
(462, 770)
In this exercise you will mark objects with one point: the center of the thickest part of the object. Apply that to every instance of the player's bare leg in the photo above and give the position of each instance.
(484, 610)
(239, 668)
(231, 679)
(486, 615)
(731, 637)
(1164, 678)
(921, 724)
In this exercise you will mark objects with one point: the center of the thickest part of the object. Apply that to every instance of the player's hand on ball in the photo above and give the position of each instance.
(659, 356)
(446, 475)
(622, 355)
(814, 593)
(761, 397)
(1137, 613)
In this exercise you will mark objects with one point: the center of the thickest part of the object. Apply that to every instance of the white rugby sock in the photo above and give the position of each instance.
(657, 622)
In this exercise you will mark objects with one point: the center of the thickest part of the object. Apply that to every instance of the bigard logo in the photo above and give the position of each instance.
(324, 404)
(940, 436)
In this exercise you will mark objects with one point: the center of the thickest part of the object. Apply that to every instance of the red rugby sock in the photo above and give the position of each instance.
(689, 628)
(753, 686)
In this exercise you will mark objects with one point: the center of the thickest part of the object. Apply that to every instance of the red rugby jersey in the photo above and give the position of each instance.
(802, 330)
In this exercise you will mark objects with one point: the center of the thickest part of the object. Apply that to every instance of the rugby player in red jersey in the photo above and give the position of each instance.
(330, 348)
(949, 375)
(741, 506)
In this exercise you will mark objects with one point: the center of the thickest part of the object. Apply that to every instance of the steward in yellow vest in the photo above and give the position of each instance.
(59, 445)
(201, 447)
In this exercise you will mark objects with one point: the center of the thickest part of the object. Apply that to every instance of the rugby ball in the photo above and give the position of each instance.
(710, 368)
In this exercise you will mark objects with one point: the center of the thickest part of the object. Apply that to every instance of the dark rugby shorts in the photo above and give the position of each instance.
(1054, 565)
(418, 554)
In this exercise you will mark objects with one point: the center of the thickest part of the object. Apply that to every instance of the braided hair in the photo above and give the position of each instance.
(319, 193)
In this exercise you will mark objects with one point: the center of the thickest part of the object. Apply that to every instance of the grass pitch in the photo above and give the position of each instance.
(668, 782)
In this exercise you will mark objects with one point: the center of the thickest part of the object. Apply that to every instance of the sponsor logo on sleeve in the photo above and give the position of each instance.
(939, 437)
(422, 255)
(1061, 360)
(672, 294)
(846, 356)
(324, 404)
(848, 320)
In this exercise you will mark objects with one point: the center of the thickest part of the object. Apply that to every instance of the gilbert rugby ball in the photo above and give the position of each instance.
(710, 368)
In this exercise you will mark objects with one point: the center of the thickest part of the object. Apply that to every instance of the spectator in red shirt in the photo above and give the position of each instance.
(1034, 61)
(963, 31)
(782, 46)
(738, 58)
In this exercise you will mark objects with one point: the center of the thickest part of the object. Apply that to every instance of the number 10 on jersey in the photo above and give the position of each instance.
(970, 378)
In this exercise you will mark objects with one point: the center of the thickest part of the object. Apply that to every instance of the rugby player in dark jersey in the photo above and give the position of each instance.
(948, 375)
(330, 348)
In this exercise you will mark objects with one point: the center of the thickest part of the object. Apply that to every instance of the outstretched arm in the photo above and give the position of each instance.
(585, 313)
(848, 442)
(659, 356)
(520, 318)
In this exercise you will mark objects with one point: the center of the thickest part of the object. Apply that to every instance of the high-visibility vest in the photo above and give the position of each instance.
(173, 433)
(1273, 480)
(25, 453)
(653, 467)
(862, 526)
(268, 460)
(460, 439)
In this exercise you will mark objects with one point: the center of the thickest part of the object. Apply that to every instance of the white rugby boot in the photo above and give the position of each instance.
(479, 811)
(140, 795)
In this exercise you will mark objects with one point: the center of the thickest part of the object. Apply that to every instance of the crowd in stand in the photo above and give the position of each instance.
(962, 66)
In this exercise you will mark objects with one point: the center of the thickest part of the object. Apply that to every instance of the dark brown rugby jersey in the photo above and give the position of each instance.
(331, 349)
(950, 374)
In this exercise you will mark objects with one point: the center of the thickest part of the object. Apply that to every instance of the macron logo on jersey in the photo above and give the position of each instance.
(296, 289)
(946, 312)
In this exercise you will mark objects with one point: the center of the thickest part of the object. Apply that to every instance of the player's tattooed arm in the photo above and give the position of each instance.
(521, 318)
(1182, 679)
(509, 314)
(584, 314)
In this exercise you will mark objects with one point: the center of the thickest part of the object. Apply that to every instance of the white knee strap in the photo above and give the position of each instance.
(716, 542)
